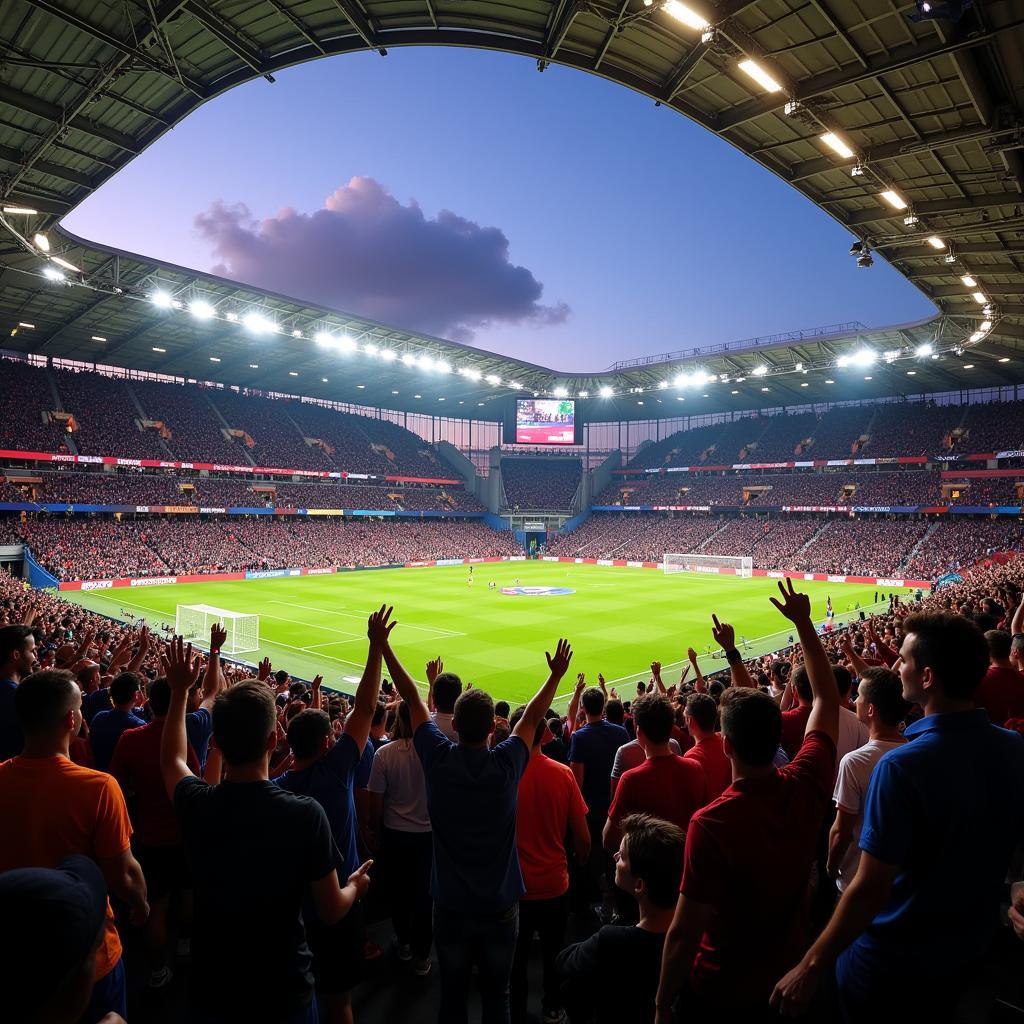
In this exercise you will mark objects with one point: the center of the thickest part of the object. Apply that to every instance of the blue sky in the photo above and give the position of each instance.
(655, 234)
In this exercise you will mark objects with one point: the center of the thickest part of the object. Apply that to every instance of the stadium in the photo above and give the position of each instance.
(181, 452)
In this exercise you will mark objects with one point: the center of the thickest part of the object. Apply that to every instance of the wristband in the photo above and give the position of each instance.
(214, 650)
(734, 657)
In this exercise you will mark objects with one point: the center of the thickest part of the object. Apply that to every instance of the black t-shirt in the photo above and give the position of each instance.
(254, 850)
(615, 951)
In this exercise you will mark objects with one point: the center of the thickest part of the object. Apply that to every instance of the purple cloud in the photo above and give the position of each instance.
(366, 253)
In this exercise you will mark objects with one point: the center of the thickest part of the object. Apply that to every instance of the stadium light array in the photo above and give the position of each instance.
(759, 75)
(258, 324)
(493, 379)
(66, 264)
(370, 349)
(201, 309)
(26, 211)
(583, 394)
(925, 349)
(53, 274)
(894, 199)
(979, 298)
(41, 242)
(408, 359)
(837, 145)
(969, 281)
(162, 300)
(443, 366)
(760, 371)
(685, 15)
(935, 242)
(985, 325)
(606, 391)
(560, 392)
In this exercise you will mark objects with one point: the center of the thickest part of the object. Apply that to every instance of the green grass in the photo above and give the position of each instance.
(617, 620)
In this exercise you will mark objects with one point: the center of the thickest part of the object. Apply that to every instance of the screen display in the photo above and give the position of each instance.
(545, 421)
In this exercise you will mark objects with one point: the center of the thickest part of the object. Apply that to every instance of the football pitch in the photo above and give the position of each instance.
(617, 619)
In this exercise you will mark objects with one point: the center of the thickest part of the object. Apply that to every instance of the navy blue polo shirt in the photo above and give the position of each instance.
(948, 809)
(471, 797)
(594, 746)
(106, 730)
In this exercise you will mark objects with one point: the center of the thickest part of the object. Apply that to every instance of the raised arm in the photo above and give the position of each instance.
(558, 665)
(182, 673)
(212, 679)
(140, 655)
(824, 715)
(418, 712)
(656, 676)
(857, 663)
(725, 637)
(1017, 622)
(357, 725)
(699, 682)
(574, 704)
(434, 669)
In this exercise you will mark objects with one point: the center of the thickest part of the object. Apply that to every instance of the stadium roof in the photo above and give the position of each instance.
(926, 108)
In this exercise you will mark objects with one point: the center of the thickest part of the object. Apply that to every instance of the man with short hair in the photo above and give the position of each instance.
(794, 720)
(443, 691)
(1001, 692)
(953, 796)
(853, 732)
(741, 913)
(666, 786)
(708, 750)
(17, 660)
(881, 707)
(107, 726)
(648, 866)
(471, 795)
(550, 807)
(52, 808)
(250, 960)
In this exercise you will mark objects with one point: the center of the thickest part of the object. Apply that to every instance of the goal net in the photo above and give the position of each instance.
(193, 622)
(737, 565)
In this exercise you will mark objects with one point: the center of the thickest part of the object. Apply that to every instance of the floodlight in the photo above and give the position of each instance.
(296, 333)
(583, 394)
(370, 349)
(662, 384)
(759, 75)
(53, 273)
(606, 391)
(257, 323)
(977, 336)
(910, 220)
(443, 366)
(425, 362)
(233, 317)
(98, 337)
(214, 359)
(22, 210)
(41, 241)
(689, 17)
(66, 264)
(950, 257)
(493, 379)
(346, 344)
(857, 170)
(28, 327)
(979, 297)
(471, 373)
(760, 371)
(515, 385)
(969, 281)
(985, 325)
(324, 339)
(408, 359)
(837, 145)
(844, 361)
(201, 309)
(925, 349)
(864, 357)
(560, 393)
(157, 348)
(894, 199)
(935, 242)
(865, 259)
(891, 355)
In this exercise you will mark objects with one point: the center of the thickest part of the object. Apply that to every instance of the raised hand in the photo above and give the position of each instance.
(378, 628)
(724, 634)
(218, 636)
(613, 694)
(602, 684)
(263, 673)
(691, 655)
(794, 605)
(656, 669)
(434, 669)
(360, 878)
(317, 682)
(559, 664)
(180, 668)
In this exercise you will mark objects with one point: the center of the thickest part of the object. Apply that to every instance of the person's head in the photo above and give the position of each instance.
(641, 688)
(403, 723)
(779, 672)
(281, 678)
(89, 677)
(653, 717)
(310, 734)
(751, 726)
(159, 694)
(649, 861)
(701, 714)
(716, 688)
(124, 688)
(48, 705)
(844, 681)
(296, 691)
(473, 716)
(379, 720)
(447, 687)
(1017, 652)
(945, 656)
(541, 733)
(593, 702)
(614, 711)
(802, 684)
(245, 722)
(880, 697)
(17, 652)
(999, 642)
(501, 709)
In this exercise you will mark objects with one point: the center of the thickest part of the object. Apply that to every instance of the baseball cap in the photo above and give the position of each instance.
(59, 913)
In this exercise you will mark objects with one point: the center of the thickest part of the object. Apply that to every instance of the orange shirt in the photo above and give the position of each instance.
(710, 754)
(51, 808)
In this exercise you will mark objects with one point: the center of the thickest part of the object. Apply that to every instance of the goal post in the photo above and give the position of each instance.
(193, 622)
(737, 565)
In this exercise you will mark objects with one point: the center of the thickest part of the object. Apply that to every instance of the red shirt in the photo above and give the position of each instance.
(1001, 694)
(136, 765)
(794, 722)
(749, 855)
(549, 798)
(682, 737)
(710, 755)
(670, 787)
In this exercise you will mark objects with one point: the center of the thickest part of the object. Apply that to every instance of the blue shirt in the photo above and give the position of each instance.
(594, 746)
(948, 809)
(330, 783)
(11, 738)
(106, 730)
(95, 702)
(198, 729)
(471, 797)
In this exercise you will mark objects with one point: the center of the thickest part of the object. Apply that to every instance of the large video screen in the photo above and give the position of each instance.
(545, 421)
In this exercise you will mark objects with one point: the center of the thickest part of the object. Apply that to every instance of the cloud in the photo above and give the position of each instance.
(366, 253)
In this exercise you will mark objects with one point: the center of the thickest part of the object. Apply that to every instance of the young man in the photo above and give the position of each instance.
(107, 726)
(550, 808)
(613, 976)
(17, 660)
(52, 808)
(326, 771)
(794, 719)
(443, 689)
(881, 707)
(1001, 692)
(471, 795)
(708, 750)
(741, 909)
(256, 852)
(945, 806)
(665, 786)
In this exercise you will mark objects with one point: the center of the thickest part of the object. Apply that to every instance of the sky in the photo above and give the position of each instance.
(556, 217)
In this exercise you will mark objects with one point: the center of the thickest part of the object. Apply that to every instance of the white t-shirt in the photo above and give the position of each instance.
(443, 721)
(629, 755)
(398, 774)
(851, 788)
(853, 733)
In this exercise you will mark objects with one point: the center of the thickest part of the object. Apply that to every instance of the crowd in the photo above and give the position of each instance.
(827, 830)
(540, 483)
(24, 400)
(868, 547)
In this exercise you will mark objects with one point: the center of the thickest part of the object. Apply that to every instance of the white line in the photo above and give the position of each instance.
(302, 650)
(359, 615)
(333, 643)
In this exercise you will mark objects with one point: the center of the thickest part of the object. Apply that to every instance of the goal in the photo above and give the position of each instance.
(737, 565)
(193, 622)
